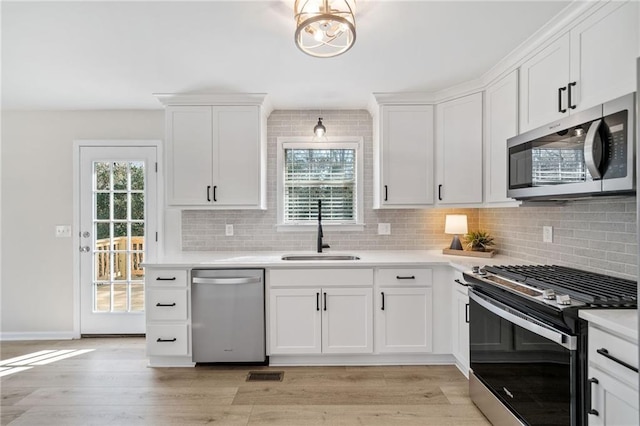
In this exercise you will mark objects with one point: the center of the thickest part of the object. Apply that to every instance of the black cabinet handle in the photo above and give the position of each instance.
(386, 193)
(466, 313)
(168, 305)
(325, 301)
(605, 353)
(382, 293)
(208, 192)
(166, 279)
(317, 301)
(461, 283)
(440, 192)
(591, 411)
(407, 277)
(161, 340)
(215, 187)
(560, 90)
(572, 84)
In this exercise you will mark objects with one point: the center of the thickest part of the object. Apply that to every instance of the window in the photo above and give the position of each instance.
(311, 171)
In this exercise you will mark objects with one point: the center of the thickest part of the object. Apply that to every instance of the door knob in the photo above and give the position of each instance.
(85, 234)
(85, 249)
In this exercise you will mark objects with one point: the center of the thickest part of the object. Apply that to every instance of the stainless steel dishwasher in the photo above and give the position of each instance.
(227, 308)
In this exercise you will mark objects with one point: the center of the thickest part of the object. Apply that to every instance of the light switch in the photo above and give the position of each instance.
(63, 231)
(384, 229)
(228, 230)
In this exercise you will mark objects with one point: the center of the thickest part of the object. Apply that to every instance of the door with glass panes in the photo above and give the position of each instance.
(117, 232)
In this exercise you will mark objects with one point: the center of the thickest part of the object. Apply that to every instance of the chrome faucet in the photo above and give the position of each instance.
(320, 234)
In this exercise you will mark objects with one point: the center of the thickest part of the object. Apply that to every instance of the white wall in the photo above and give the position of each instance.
(36, 279)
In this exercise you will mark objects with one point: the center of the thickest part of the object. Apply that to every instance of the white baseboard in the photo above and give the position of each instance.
(38, 335)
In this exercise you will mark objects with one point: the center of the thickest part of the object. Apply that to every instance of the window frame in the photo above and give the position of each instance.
(334, 142)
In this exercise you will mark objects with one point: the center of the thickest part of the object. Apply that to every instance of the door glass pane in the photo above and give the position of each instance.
(119, 236)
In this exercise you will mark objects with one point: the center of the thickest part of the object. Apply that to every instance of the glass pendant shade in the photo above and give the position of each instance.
(319, 132)
(325, 28)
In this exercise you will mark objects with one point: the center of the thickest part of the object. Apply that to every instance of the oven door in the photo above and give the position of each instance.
(531, 368)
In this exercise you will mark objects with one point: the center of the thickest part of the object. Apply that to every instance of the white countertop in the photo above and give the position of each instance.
(619, 321)
(369, 258)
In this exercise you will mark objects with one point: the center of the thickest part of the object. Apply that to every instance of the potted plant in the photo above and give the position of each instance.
(478, 240)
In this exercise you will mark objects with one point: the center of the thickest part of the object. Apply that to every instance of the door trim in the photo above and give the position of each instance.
(109, 143)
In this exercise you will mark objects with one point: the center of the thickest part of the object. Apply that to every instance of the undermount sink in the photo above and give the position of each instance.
(320, 257)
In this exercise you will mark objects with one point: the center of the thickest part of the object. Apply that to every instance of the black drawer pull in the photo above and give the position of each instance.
(605, 353)
(382, 293)
(325, 301)
(317, 301)
(440, 192)
(215, 198)
(592, 381)
(571, 105)
(386, 193)
(166, 304)
(166, 279)
(408, 277)
(461, 283)
(209, 193)
(161, 340)
(466, 313)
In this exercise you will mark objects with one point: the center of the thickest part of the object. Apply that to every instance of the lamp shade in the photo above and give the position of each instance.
(455, 224)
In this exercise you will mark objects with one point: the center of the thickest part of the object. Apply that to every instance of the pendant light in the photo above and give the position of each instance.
(325, 28)
(319, 132)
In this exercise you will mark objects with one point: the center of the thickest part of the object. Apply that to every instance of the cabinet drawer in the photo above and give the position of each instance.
(170, 277)
(166, 304)
(167, 340)
(320, 277)
(404, 277)
(616, 347)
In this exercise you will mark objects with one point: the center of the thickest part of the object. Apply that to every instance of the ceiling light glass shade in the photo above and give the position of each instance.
(319, 132)
(325, 28)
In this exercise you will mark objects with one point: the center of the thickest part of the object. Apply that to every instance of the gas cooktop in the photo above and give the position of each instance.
(561, 286)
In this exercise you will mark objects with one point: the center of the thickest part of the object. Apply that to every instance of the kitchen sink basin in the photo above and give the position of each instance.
(320, 257)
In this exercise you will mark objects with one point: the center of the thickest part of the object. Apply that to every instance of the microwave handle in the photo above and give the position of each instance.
(593, 150)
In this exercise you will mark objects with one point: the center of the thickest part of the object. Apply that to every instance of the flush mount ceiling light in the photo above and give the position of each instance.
(325, 28)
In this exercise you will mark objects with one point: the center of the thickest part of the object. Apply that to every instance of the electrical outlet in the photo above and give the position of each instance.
(547, 234)
(384, 229)
(63, 231)
(228, 230)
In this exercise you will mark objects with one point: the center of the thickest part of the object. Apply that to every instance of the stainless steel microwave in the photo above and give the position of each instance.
(589, 153)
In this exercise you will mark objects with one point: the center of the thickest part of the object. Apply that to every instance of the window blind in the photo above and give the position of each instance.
(320, 174)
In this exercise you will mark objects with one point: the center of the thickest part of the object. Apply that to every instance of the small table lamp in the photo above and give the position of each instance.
(455, 224)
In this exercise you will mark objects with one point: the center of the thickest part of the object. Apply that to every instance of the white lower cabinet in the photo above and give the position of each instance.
(460, 324)
(404, 310)
(612, 378)
(320, 320)
(168, 335)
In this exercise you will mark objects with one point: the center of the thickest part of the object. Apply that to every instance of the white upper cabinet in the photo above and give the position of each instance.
(403, 151)
(501, 123)
(459, 150)
(216, 156)
(592, 63)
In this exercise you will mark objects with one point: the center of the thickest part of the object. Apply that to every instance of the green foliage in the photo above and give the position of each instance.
(478, 240)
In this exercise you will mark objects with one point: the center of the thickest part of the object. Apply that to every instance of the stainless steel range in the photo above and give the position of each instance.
(528, 348)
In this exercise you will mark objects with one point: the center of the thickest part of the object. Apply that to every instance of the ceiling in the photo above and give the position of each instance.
(115, 55)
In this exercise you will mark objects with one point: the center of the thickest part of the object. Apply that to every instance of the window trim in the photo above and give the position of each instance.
(333, 142)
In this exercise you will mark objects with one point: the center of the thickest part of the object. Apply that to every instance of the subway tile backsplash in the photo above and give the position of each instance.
(597, 235)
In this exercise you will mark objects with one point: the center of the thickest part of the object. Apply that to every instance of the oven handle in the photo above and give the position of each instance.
(526, 322)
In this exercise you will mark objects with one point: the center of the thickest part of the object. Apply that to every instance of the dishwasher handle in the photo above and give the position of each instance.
(227, 280)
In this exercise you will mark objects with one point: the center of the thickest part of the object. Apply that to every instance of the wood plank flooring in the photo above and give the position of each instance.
(113, 386)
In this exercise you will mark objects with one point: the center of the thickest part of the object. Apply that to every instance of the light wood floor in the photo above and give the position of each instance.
(113, 386)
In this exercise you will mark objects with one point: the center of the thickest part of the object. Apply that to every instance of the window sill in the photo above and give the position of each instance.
(313, 227)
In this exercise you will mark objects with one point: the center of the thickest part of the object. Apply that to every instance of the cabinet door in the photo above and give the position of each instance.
(459, 148)
(404, 319)
(294, 321)
(501, 123)
(237, 156)
(406, 177)
(460, 328)
(347, 321)
(615, 403)
(541, 79)
(603, 54)
(189, 154)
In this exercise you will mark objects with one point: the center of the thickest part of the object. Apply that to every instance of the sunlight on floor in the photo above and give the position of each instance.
(25, 362)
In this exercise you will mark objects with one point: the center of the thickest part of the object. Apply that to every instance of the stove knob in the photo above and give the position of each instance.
(563, 299)
(549, 294)
(475, 269)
